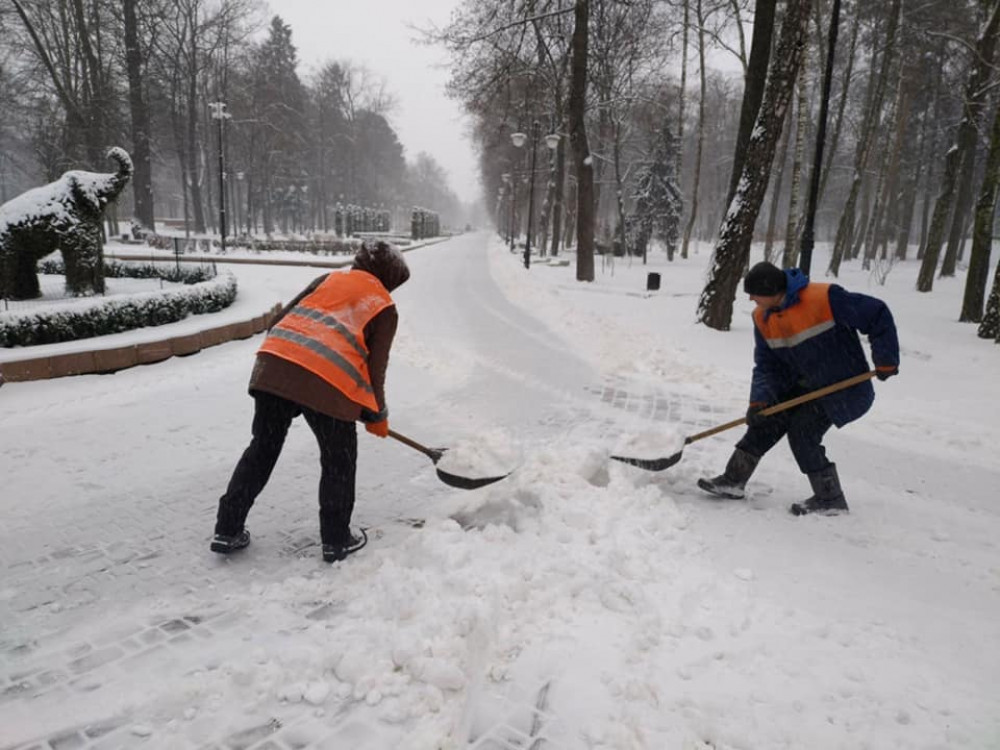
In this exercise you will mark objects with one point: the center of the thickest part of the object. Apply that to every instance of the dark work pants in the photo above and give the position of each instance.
(805, 426)
(338, 454)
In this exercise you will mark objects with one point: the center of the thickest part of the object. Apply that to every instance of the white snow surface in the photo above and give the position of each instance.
(578, 603)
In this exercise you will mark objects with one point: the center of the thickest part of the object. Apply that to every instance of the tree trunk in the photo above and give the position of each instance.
(909, 197)
(191, 132)
(715, 308)
(560, 196)
(975, 93)
(772, 218)
(990, 327)
(959, 217)
(809, 223)
(789, 256)
(891, 196)
(696, 187)
(619, 190)
(876, 91)
(682, 94)
(142, 179)
(842, 105)
(886, 188)
(982, 234)
(581, 149)
(753, 89)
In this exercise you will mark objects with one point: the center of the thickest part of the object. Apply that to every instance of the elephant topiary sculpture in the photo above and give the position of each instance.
(65, 215)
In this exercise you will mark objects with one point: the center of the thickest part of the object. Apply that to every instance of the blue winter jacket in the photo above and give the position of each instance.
(811, 341)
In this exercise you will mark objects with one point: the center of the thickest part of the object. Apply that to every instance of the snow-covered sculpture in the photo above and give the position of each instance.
(65, 215)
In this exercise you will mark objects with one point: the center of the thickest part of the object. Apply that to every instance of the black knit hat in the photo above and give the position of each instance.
(765, 280)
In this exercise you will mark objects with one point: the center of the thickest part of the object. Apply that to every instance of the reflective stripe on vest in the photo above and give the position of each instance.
(324, 333)
(809, 317)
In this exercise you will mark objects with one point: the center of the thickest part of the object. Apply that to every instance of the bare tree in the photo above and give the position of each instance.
(965, 139)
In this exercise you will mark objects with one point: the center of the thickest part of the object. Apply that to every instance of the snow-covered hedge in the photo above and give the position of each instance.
(98, 316)
(116, 270)
(314, 245)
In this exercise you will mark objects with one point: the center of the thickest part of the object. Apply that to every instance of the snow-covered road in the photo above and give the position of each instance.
(578, 604)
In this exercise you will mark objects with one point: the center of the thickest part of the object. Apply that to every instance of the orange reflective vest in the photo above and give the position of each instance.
(324, 333)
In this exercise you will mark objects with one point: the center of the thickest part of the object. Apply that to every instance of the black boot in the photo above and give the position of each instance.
(355, 541)
(731, 482)
(828, 497)
(224, 543)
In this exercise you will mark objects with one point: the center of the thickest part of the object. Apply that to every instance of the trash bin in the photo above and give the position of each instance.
(652, 282)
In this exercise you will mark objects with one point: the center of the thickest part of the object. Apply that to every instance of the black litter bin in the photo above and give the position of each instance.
(652, 282)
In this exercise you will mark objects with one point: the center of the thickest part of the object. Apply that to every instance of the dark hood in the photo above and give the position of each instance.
(797, 281)
(383, 261)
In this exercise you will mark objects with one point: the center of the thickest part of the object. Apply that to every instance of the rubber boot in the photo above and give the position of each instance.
(828, 497)
(731, 482)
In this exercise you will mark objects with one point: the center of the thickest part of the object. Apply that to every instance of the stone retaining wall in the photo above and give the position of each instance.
(123, 357)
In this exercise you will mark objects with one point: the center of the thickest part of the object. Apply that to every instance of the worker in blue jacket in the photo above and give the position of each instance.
(806, 337)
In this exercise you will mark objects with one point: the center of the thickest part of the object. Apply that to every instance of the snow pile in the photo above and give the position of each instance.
(649, 445)
(491, 453)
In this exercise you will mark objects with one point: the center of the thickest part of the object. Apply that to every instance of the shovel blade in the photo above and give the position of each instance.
(467, 483)
(651, 464)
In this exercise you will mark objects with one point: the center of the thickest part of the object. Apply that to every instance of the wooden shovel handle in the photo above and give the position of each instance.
(433, 454)
(791, 403)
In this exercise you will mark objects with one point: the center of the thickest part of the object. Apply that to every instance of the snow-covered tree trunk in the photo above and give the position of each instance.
(772, 217)
(791, 251)
(715, 308)
(753, 90)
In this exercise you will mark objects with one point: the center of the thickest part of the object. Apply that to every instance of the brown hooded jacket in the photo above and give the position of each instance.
(288, 380)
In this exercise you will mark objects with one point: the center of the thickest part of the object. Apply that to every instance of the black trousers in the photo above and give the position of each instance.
(805, 427)
(338, 455)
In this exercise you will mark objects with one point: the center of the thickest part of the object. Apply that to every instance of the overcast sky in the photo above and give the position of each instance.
(375, 33)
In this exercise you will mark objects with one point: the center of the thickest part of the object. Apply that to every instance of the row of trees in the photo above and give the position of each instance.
(76, 77)
(901, 91)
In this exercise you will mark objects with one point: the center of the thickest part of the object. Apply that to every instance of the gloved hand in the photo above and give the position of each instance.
(884, 373)
(379, 429)
(368, 416)
(754, 416)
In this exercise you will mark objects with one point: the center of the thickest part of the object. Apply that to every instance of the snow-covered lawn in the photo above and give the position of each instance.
(580, 603)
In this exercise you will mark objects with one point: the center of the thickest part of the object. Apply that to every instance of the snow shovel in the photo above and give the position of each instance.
(452, 480)
(659, 464)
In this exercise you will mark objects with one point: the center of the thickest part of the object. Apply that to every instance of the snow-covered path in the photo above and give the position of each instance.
(578, 604)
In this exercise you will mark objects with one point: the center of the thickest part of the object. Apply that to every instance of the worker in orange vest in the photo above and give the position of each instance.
(325, 358)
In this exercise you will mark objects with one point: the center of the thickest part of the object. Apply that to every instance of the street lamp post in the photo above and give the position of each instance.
(531, 196)
(219, 114)
(509, 179)
(239, 201)
(518, 139)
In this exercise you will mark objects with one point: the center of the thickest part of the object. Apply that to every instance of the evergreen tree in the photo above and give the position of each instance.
(658, 204)
(280, 99)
